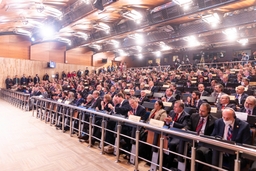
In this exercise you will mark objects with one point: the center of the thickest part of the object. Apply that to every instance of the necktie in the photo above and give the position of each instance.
(249, 112)
(134, 111)
(229, 136)
(222, 107)
(176, 117)
(199, 126)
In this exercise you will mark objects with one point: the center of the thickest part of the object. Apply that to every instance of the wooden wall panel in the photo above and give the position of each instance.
(48, 51)
(79, 56)
(97, 59)
(19, 67)
(15, 46)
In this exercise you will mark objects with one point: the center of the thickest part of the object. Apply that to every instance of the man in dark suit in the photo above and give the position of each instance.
(169, 95)
(143, 97)
(137, 109)
(16, 80)
(195, 100)
(225, 103)
(202, 91)
(240, 96)
(8, 82)
(151, 87)
(80, 100)
(249, 106)
(97, 100)
(232, 129)
(177, 118)
(36, 79)
(123, 106)
(176, 93)
(202, 123)
(23, 80)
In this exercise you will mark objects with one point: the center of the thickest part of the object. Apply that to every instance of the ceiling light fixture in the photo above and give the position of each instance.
(82, 35)
(192, 41)
(158, 53)
(115, 43)
(231, 33)
(140, 56)
(102, 26)
(64, 40)
(22, 32)
(183, 3)
(164, 47)
(133, 15)
(139, 48)
(137, 37)
(212, 19)
(243, 41)
(122, 53)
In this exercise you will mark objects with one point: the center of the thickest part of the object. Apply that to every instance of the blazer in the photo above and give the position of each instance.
(244, 110)
(123, 108)
(194, 120)
(142, 100)
(97, 103)
(78, 102)
(141, 111)
(36, 80)
(182, 120)
(159, 115)
(242, 100)
(153, 89)
(23, 81)
(16, 81)
(230, 105)
(197, 106)
(241, 131)
(204, 93)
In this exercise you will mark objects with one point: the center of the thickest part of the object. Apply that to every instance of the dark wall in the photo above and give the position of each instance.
(167, 59)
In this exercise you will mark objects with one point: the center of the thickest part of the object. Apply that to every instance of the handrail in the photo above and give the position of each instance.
(19, 99)
(236, 148)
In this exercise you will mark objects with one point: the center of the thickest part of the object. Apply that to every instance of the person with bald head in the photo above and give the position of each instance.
(240, 96)
(249, 106)
(225, 103)
(230, 128)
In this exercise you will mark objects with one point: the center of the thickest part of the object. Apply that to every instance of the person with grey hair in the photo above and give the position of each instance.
(249, 106)
(230, 128)
(225, 103)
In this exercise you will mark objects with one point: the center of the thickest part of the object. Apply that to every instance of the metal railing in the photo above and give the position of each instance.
(58, 113)
(18, 99)
(214, 64)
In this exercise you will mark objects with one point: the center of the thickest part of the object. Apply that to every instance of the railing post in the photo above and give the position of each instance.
(237, 162)
(193, 157)
(137, 150)
(70, 123)
(63, 118)
(79, 123)
(102, 135)
(161, 152)
(90, 130)
(118, 141)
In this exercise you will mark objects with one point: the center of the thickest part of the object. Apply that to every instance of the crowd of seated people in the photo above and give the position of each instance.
(125, 92)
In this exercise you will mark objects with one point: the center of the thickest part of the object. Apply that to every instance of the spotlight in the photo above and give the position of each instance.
(243, 41)
(231, 33)
(140, 56)
(32, 39)
(47, 32)
(157, 53)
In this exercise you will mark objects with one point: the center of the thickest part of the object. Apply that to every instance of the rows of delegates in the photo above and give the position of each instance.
(125, 91)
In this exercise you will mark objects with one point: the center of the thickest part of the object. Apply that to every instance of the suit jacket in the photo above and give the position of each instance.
(141, 111)
(194, 120)
(197, 105)
(78, 102)
(244, 110)
(153, 89)
(177, 94)
(241, 131)
(23, 81)
(16, 81)
(97, 103)
(8, 83)
(230, 105)
(159, 115)
(205, 93)
(142, 100)
(123, 108)
(182, 120)
(36, 80)
(242, 99)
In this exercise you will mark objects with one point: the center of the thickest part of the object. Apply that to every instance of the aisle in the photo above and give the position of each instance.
(26, 143)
